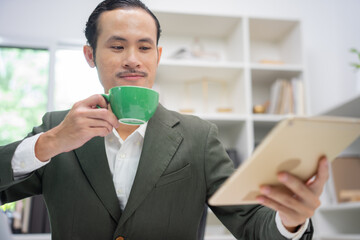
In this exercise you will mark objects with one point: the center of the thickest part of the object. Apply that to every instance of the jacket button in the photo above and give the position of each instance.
(120, 238)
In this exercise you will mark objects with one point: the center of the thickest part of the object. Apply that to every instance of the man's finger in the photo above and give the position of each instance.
(94, 101)
(321, 177)
(295, 185)
(287, 199)
(106, 115)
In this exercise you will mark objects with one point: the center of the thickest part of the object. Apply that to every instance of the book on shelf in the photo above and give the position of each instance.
(287, 97)
(299, 96)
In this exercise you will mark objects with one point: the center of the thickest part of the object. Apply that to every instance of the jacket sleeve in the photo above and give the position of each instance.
(243, 221)
(13, 190)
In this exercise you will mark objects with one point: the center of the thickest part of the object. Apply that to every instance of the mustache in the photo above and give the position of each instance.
(131, 71)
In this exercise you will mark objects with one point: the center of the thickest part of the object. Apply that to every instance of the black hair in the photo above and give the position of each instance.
(91, 29)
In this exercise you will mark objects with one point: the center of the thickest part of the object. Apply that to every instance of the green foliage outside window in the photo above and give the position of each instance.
(23, 91)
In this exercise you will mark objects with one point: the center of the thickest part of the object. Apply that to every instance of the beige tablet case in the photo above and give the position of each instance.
(294, 145)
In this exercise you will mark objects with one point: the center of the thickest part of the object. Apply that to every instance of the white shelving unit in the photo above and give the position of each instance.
(340, 221)
(237, 79)
(246, 56)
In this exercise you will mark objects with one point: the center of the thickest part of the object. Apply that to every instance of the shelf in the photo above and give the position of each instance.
(268, 118)
(202, 63)
(224, 119)
(339, 237)
(198, 70)
(32, 236)
(277, 67)
(187, 24)
(339, 219)
(341, 207)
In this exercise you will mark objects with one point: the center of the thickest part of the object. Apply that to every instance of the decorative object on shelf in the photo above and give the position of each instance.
(195, 51)
(186, 110)
(269, 61)
(350, 195)
(261, 108)
(224, 110)
(346, 178)
(356, 65)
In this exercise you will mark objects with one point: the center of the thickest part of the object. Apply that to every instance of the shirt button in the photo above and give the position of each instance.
(118, 191)
(22, 164)
(122, 155)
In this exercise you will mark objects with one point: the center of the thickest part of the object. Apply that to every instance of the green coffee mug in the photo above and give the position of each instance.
(131, 104)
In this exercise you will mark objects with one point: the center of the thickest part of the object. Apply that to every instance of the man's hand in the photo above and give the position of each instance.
(295, 201)
(83, 122)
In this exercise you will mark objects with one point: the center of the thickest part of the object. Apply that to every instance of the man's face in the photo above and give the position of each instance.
(126, 52)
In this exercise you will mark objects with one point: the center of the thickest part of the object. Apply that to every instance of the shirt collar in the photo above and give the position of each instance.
(140, 130)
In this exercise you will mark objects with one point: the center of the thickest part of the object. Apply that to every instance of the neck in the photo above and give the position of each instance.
(125, 130)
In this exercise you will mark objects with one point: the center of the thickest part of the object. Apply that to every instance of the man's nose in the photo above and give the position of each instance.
(131, 60)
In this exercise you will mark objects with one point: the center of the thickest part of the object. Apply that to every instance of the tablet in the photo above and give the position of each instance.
(294, 145)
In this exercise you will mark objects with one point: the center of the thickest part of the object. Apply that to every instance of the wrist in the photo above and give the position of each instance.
(46, 146)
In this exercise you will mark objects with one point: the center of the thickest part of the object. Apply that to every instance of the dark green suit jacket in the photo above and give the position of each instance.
(181, 166)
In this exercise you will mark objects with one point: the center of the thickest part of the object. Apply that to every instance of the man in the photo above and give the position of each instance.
(105, 180)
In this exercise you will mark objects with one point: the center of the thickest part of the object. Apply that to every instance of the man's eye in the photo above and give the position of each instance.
(117, 47)
(144, 48)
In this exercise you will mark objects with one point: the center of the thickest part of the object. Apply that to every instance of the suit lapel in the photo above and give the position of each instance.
(92, 158)
(160, 144)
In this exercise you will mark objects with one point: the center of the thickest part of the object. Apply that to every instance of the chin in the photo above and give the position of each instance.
(137, 83)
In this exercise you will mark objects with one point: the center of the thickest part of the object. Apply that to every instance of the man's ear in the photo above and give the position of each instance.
(159, 54)
(88, 53)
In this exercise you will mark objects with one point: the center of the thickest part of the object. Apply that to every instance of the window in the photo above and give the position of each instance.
(74, 79)
(24, 75)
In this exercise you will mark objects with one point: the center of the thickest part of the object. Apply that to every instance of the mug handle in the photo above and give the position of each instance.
(106, 97)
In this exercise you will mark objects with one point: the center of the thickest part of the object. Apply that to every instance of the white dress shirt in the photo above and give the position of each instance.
(123, 157)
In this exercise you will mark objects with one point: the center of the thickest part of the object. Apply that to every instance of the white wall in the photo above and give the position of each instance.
(330, 29)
